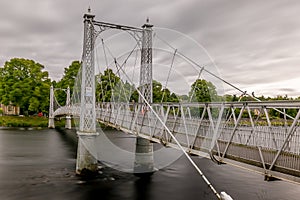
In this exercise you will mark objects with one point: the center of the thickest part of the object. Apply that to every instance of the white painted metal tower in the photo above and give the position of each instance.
(86, 162)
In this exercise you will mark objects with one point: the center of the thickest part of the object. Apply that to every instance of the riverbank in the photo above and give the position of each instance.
(35, 122)
(26, 121)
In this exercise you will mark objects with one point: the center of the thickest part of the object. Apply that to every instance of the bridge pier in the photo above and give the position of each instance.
(86, 163)
(143, 163)
(68, 124)
(51, 122)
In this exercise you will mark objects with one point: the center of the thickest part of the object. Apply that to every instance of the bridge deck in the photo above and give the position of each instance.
(217, 128)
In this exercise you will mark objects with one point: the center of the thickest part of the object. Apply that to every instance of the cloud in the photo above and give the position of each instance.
(255, 43)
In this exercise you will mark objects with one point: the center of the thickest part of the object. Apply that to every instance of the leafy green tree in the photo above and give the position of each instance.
(275, 114)
(23, 83)
(184, 98)
(107, 84)
(203, 91)
(111, 88)
(68, 80)
(230, 98)
(159, 93)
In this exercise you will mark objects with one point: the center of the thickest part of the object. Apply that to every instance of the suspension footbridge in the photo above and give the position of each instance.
(227, 132)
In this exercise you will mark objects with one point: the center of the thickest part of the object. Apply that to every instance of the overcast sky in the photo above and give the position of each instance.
(255, 44)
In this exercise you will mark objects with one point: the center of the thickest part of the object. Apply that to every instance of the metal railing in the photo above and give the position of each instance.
(243, 131)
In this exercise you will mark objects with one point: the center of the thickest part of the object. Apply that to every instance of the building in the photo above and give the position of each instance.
(9, 109)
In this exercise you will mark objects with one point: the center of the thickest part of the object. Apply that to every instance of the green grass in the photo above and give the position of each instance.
(16, 121)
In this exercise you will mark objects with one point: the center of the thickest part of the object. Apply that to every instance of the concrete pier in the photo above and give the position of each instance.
(143, 163)
(51, 122)
(86, 163)
(68, 124)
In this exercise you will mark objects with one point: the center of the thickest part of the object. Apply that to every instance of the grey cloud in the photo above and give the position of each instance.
(252, 42)
(287, 90)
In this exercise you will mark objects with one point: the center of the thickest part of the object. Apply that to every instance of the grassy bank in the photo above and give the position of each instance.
(34, 121)
(17, 121)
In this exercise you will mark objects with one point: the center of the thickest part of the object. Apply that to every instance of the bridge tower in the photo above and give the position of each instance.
(51, 109)
(144, 148)
(68, 117)
(86, 162)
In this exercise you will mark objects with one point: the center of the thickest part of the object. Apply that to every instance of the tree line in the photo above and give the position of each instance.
(26, 83)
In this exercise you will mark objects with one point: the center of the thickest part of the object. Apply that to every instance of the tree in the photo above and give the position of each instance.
(111, 88)
(68, 80)
(108, 84)
(230, 98)
(184, 98)
(203, 91)
(159, 93)
(23, 83)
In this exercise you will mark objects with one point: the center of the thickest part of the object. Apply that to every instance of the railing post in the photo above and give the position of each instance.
(86, 162)
(51, 109)
(144, 148)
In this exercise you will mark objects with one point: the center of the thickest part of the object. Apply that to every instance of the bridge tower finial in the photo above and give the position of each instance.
(89, 15)
(147, 25)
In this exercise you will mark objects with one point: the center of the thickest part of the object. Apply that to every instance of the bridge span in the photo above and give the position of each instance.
(218, 130)
(227, 132)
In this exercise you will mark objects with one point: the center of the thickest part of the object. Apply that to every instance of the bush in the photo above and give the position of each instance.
(16, 121)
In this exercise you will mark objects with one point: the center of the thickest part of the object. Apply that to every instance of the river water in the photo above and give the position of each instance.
(40, 164)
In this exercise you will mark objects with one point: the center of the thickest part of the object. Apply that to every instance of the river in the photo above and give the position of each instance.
(40, 164)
